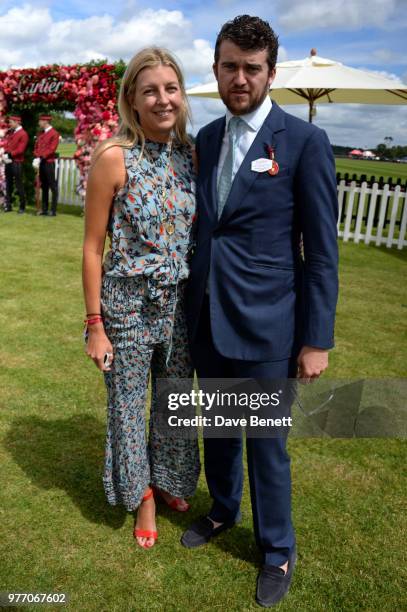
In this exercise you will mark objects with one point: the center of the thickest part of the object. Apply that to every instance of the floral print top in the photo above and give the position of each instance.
(159, 195)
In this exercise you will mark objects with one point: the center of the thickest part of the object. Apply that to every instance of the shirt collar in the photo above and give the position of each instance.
(255, 119)
(48, 128)
(18, 128)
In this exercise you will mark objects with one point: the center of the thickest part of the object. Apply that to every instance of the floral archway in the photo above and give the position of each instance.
(88, 90)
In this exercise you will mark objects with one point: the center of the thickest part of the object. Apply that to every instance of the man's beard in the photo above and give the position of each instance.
(251, 106)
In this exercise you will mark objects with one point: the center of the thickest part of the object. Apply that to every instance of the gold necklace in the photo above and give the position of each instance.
(167, 223)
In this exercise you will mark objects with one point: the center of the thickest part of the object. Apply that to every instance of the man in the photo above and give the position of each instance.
(15, 145)
(256, 308)
(45, 147)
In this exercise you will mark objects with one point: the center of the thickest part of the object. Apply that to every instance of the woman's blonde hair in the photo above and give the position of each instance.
(130, 132)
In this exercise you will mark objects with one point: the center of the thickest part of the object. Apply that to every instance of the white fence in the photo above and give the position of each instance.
(372, 215)
(68, 178)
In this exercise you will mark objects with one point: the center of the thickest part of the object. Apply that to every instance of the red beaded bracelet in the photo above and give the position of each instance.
(93, 321)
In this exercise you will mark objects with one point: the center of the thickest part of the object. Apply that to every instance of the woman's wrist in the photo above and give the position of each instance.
(96, 327)
(93, 319)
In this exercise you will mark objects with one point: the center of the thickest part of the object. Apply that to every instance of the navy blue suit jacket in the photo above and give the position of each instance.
(265, 300)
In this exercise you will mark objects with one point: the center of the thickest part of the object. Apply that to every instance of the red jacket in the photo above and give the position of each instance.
(16, 144)
(46, 145)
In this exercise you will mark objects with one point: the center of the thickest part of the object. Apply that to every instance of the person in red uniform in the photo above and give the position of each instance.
(15, 146)
(45, 147)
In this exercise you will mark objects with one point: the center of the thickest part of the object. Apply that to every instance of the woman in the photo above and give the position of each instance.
(140, 188)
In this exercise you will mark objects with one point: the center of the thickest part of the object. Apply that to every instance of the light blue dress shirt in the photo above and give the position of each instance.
(246, 133)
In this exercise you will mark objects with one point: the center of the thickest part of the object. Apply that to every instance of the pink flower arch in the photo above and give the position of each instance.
(88, 89)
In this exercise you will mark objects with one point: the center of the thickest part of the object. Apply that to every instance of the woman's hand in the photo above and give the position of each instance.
(98, 345)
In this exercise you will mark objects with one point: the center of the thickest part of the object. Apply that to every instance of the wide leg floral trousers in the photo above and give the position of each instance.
(146, 326)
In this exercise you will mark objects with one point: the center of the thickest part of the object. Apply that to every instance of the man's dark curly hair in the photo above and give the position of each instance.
(250, 34)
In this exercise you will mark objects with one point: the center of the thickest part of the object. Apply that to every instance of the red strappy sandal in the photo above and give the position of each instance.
(174, 504)
(145, 533)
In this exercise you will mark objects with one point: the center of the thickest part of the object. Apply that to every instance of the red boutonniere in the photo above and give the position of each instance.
(274, 167)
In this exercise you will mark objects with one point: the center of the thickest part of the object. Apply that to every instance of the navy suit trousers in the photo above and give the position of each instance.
(267, 458)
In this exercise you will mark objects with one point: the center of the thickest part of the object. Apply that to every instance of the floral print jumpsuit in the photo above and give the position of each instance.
(142, 300)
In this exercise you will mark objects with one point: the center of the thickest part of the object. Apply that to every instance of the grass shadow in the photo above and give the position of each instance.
(71, 209)
(65, 454)
(392, 252)
(237, 542)
(68, 454)
(62, 209)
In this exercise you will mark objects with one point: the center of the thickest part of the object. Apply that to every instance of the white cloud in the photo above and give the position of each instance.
(31, 37)
(199, 58)
(24, 26)
(299, 15)
(361, 125)
(386, 56)
(367, 52)
(282, 54)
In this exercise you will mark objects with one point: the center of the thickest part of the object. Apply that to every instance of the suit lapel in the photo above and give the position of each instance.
(274, 122)
(211, 150)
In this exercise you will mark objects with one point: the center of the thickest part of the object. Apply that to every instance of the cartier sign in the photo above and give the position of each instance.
(45, 86)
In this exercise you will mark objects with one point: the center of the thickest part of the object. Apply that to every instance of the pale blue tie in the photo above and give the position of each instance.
(225, 177)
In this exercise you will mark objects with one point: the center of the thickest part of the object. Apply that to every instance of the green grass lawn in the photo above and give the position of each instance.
(372, 168)
(66, 149)
(57, 533)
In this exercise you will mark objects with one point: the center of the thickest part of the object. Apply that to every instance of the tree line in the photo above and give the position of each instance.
(383, 150)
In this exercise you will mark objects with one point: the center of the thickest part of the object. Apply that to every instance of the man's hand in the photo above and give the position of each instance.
(311, 363)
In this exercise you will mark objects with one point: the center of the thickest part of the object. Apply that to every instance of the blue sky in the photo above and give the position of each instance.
(360, 33)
